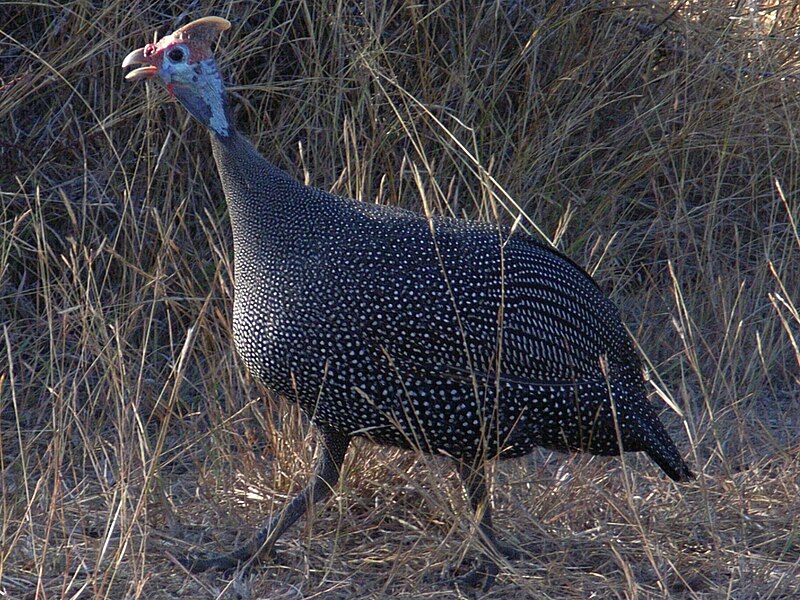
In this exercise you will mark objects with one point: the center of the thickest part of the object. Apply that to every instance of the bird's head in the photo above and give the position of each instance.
(184, 62)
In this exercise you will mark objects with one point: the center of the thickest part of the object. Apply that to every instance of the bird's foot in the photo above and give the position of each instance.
(222, 562)
(482, 576)
(507, 550)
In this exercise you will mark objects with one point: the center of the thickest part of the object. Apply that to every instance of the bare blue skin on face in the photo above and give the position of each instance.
(198, 87)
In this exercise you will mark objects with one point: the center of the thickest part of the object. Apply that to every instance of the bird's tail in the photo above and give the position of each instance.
(665, 454)
(649, 434)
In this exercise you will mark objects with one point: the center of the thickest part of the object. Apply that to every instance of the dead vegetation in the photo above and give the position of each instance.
(657, 147)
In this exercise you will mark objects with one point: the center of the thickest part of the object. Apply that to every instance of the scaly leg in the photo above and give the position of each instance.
(326, 474)
(474, 481)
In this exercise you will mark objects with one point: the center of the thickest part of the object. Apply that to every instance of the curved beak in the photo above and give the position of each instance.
(137, 58)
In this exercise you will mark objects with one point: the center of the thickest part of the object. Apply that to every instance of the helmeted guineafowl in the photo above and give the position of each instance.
(444, 335)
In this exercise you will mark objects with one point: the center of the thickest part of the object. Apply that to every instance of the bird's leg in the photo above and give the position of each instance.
(326, 474)
(474, 480)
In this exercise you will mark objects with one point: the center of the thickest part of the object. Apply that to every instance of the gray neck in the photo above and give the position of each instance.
(268, 209)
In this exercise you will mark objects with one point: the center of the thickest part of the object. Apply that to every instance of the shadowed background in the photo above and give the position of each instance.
(657, 149)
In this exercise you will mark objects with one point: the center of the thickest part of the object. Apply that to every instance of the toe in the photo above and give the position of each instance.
(482, 576)
(198, 565)
(509, 551)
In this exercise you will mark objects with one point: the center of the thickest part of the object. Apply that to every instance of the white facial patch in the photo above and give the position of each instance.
(200, 89)
(212, 90)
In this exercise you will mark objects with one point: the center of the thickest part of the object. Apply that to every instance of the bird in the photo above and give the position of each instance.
(467, 339)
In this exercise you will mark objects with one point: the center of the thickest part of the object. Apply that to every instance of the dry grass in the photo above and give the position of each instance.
(665, 160)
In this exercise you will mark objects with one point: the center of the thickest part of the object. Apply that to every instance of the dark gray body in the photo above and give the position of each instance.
(444, 335)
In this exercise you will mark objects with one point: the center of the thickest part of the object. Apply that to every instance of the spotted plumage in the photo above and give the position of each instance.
(444, 335)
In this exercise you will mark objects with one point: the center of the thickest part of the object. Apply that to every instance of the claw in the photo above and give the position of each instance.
(483, 576)
(220, 562)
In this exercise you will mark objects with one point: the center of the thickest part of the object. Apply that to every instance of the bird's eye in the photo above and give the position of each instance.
(175, 55)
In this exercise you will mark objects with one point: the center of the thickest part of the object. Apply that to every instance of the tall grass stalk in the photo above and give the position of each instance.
(655, 144)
